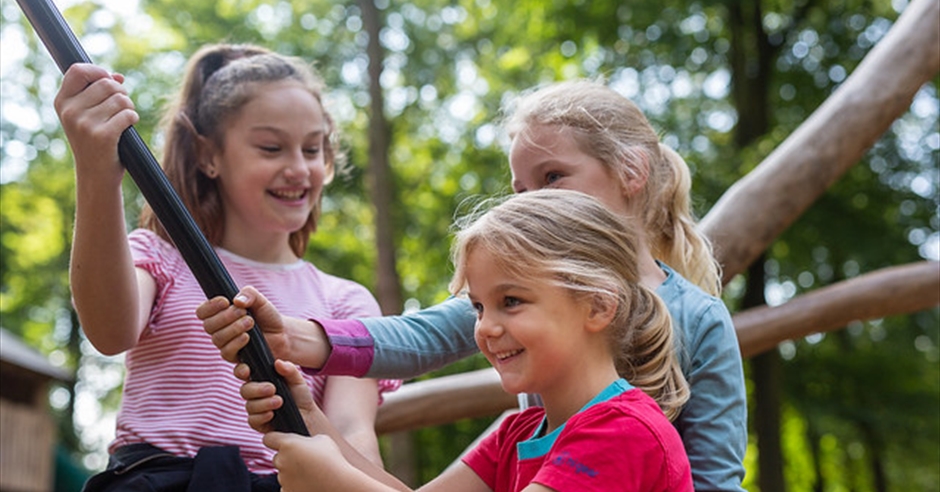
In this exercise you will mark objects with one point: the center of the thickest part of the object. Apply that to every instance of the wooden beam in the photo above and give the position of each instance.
(887, 292)
(763, 204)
(443, 400)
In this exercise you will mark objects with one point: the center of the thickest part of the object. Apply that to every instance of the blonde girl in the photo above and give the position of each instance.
(560, 311)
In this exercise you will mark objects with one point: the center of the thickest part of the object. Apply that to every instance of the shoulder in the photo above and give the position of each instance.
(518, 427)
(145, 239)
(155, 254)
(632, 409)
(627, 437)
(349, 298)
(693, 311)
(630, 425)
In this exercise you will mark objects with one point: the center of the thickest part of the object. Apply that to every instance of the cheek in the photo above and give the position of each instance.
(477, 336)
(319, 174)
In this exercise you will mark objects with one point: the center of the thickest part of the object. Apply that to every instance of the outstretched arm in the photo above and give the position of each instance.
(388, 347)
(326, 459)
(111, 296)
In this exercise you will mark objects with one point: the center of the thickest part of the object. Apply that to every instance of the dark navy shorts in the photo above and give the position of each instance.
(146, 468)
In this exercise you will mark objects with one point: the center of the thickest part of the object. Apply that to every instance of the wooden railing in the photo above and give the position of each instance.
(887, 292)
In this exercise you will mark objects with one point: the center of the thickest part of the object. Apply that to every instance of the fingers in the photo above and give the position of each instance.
(261, 400)
(94, 100)
(78, 77)
(243, 372)
(274, 440)
(228, 326)
(94, 109)
(299, 390)
(249, 297)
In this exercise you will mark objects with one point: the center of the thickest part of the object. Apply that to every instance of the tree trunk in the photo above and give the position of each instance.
(400, 458)
(887, 292)
(388, 286)
(765, 373)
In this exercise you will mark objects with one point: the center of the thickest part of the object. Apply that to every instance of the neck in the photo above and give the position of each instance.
(260, 248)
(562, 403)
(651, 275)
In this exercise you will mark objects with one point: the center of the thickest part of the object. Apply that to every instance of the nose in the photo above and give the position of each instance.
(297, 166)
(489, 326)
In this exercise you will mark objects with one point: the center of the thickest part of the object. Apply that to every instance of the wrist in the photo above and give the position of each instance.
(311, 348)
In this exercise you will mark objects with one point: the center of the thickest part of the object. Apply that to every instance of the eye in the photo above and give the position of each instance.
(312, 151)
(510, 301)
(478, 307)
(269, 149)
(552, 177)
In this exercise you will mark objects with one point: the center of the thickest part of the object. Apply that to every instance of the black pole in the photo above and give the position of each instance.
(140, 163)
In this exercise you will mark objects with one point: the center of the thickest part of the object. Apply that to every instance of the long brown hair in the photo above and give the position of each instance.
(219, 80)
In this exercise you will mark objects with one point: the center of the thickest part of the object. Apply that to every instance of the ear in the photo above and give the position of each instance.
(633, 178)
(207, 154)
(603, 310)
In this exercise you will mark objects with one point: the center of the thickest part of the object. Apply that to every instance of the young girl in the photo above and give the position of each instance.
(583, 136)
(248, 149)
(560, 311)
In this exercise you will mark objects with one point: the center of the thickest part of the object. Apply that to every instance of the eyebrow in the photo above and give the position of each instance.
(281, 131)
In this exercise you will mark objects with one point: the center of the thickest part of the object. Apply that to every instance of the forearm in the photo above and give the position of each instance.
(414, 344)
(368, 474)
(400, 347)
(351, 405)
(103, 279)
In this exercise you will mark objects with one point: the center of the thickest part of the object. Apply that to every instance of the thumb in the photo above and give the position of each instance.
(274, 440)
(298, 385)
(264, 313)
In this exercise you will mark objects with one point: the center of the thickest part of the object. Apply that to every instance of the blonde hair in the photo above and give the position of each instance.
(219, 80)
(610, 128)
(573, 241)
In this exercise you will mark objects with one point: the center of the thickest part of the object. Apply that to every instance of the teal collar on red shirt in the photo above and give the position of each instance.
(536, 447)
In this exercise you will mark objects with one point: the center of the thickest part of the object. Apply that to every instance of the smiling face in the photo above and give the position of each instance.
(271, 165)
(547, 156)
(534, 333)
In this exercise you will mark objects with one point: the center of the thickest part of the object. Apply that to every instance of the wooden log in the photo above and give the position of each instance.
(887, 292)
(827, 144)
(443, 400)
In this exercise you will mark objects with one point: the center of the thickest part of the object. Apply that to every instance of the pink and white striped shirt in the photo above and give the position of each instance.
(179, 394)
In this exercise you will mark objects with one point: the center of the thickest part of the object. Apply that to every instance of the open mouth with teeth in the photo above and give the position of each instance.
(290, 195)
(501, 356)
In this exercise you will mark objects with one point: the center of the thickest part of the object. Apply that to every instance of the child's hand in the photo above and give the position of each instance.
(261, 399)
(294, 339)
(229, 323)
(94, 109)
(301, 461)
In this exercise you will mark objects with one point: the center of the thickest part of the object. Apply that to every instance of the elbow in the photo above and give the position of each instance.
(105, 339)
(108, 346)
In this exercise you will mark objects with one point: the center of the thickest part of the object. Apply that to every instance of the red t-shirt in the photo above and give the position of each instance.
(621, 441)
